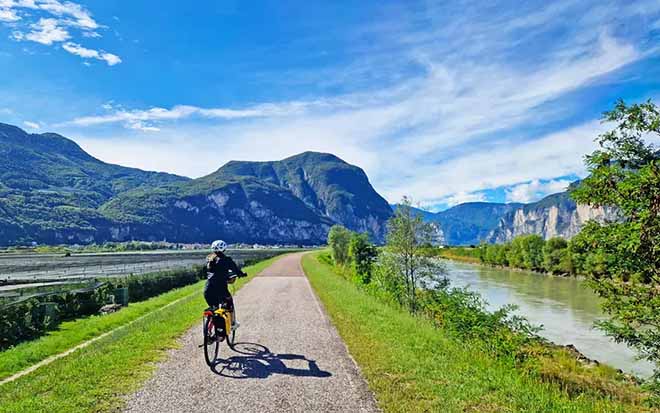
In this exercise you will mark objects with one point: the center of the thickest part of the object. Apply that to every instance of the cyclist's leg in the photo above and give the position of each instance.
(229, 305)
(213, 300)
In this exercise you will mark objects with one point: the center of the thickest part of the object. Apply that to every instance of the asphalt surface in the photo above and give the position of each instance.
(288, 358)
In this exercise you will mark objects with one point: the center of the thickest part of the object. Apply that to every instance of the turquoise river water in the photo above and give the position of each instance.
(565, 307)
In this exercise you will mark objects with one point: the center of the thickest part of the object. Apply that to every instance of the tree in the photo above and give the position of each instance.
(622, 258)
(555, 253)
(407, 233)
(338, 240)
(362, 253)
(526, 251)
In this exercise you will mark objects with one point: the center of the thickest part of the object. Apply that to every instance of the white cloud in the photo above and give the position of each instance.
(129, 118)
(32, 125)
(45, 31)
(535, 190)
(9, 16)
(461, 108)
(57, 22)
(543, 158)
(76, 15)
(462, 197)
(83, 52)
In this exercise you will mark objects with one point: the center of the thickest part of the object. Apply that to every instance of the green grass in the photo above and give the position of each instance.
(95, 378)
(412, 366)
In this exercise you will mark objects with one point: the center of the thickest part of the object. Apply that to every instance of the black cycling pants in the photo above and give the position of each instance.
(215, 300)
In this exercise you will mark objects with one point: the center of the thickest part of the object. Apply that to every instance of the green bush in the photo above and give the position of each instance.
(141, 287)
(20, 322)
(25, 320)
(338, 240)
(362, 254)
(531, 252)
(556, 257)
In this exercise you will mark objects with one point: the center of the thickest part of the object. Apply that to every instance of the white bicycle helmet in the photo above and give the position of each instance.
(219, 246)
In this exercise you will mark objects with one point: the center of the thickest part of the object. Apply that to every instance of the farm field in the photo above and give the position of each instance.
(23, 275)
(30, 268)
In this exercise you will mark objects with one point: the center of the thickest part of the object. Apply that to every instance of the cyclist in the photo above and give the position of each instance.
(218, 268)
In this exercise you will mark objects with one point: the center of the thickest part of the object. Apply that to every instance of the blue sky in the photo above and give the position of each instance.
(444, 101)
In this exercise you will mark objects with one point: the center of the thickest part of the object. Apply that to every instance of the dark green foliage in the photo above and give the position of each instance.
(339, 239)
(25, 320)
(458, 311)
(51, 189)
(557, 257)
(526, 252)
(20, 322)
(622, 259)
(495, 254)
(463, 313)
(531, 252)
(141, 287)
(362, 254)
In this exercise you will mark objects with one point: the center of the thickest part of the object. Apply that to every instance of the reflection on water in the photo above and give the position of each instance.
(565, 307)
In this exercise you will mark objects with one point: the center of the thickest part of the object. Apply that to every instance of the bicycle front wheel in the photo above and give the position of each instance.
(211, 343)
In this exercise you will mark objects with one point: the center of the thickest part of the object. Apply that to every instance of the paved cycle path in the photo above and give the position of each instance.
(288, 358)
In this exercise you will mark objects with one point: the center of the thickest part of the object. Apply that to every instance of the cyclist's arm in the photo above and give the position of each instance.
(234, 268)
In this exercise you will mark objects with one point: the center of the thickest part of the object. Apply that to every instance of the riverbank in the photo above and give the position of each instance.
(413, 364)
(565, 306)
(477, 261)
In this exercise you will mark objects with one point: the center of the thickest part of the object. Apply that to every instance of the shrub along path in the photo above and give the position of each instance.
(82, 345)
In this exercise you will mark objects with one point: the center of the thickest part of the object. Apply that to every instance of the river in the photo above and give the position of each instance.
(565, 307)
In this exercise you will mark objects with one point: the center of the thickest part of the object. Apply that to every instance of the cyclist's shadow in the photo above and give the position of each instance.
(257, 362)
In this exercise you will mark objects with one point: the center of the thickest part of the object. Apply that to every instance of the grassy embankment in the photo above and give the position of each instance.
(413, 366)
(95, 378)
(462, 254)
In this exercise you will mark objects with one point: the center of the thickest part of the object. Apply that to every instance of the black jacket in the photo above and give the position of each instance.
(218, 269)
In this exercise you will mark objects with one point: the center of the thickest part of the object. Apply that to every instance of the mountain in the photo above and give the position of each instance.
(295, 200)
(471, 222)
(556, 215)
(51, 191)
(468, 223)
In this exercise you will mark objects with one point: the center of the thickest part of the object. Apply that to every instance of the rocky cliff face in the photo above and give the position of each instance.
(466, 224)
(554, 216)
(326, 184)
(295, 200)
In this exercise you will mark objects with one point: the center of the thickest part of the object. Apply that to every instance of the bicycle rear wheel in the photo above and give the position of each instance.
(211, 343)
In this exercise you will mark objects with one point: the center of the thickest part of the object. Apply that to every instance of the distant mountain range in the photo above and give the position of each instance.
(51, 191)
(468, 223)
(471, 223)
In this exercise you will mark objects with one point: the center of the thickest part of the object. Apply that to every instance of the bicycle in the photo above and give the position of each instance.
(214, 334)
